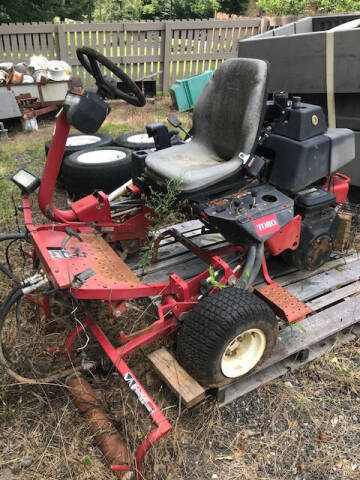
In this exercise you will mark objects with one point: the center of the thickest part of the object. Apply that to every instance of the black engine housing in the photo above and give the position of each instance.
(318, 230)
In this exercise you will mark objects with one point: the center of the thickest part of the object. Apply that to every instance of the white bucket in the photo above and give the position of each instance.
(29, 125)
(39, 74)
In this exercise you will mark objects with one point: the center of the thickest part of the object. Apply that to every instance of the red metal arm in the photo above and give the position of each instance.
(51, 172)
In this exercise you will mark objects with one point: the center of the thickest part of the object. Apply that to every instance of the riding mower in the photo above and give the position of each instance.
(261, 173)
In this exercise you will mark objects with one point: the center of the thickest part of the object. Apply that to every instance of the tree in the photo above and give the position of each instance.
(283, 7)
(296, 7)
(335, 6)
(44, 10)
(194, 8)
(237, 7)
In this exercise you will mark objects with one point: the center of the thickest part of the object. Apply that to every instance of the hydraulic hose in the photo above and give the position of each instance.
(243, 281)
(9, 237)
(257, 264)
(13, 297)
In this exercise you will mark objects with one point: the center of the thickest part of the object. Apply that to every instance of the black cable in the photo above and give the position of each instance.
(11, 237)
(7, 255)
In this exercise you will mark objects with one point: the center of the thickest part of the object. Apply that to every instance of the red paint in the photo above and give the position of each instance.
(339, 186)
(266, 225)
(288, 237)
(51, 172)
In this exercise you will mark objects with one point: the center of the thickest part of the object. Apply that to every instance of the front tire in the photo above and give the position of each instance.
(225, 336)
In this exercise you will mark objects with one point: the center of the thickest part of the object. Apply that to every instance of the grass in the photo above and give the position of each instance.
(303, 426)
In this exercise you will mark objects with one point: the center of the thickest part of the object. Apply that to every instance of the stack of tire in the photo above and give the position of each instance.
(97, 162)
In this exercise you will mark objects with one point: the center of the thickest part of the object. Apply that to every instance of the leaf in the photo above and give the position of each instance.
(322, 438)
(213, 278)
(299, 326)
(87, 461)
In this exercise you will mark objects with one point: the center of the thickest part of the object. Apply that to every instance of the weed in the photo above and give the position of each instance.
(166, 208)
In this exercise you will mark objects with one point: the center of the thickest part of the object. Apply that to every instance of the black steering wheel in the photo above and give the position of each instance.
(107, 87)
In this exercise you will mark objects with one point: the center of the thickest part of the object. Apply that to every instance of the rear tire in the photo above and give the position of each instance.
(225, 336)
(96, 169)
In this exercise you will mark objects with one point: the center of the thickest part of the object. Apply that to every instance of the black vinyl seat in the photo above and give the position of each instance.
(226, 122)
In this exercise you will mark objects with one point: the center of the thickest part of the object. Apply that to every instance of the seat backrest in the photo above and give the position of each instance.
(229, 112)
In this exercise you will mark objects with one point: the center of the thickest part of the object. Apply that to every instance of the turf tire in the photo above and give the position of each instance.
(213, 323)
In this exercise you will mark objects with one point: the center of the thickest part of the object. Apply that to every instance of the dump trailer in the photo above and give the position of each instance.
(317, 58)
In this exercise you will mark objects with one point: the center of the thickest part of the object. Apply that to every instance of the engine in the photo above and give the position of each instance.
(319, 226)
(300, 147)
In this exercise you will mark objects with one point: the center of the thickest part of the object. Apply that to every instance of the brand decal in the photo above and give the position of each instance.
(266, 225)
(136, 388)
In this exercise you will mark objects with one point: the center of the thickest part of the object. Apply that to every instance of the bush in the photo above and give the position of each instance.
(283, 7)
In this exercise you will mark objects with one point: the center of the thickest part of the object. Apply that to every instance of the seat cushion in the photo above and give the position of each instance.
(193, 163)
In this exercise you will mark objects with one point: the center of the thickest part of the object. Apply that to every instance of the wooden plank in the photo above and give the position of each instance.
(8, 52)
(334, 296)
(21, 41)
(325, 282)
(36, 43)
(297, 275)
(29, 44)
(141, 52)
(14, 47)
(179, 381)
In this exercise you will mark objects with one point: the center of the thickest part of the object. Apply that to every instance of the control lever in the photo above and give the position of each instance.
(254, 194)
(176, 123)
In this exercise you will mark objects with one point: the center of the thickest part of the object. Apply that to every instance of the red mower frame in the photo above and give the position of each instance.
(91, 217)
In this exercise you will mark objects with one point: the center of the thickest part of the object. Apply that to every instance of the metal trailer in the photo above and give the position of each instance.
(30, 100)
(317, 58)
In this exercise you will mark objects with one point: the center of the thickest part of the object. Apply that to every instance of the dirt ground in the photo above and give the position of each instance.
(304, 426)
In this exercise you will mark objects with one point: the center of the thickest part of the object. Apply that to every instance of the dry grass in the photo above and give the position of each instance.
(308, 429)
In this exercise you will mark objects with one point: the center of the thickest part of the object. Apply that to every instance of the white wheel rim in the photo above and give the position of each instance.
(80, 140)
(243, 352)
(140, 138)
(101, 156)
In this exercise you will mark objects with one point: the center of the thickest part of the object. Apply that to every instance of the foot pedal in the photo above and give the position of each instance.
(285, 305)
(179, 381)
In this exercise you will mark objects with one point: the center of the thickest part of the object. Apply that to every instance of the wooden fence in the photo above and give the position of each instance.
(164, 51)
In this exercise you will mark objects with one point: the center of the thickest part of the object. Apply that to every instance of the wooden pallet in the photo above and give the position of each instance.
(331, 292)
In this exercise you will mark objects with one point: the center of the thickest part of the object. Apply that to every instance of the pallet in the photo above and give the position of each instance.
(331, 292)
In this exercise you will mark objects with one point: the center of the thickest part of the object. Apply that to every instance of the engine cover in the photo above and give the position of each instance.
(318, 229)
(250, 216)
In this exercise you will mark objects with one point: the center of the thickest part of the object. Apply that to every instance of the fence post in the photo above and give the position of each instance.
(62, 43)
(167, 57)
(264, 25)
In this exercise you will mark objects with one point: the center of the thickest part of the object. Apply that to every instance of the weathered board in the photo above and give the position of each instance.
(180, 382)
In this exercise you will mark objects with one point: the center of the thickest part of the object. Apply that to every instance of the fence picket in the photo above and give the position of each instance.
(171, 49)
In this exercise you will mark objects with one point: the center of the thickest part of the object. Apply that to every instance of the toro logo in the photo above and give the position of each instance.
(266, 225)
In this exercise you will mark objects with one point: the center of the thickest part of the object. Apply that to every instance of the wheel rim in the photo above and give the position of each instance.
(81, 140)
(140, 138)
(243, 352)
(101, 156)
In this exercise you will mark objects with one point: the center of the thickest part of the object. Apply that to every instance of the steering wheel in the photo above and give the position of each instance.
(107, 87)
